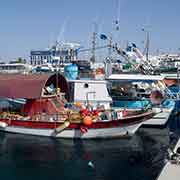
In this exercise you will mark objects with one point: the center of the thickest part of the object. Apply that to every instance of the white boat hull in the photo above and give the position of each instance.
(76, 133)
(160, 118)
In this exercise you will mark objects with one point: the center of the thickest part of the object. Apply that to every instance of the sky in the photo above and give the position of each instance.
(27, 25)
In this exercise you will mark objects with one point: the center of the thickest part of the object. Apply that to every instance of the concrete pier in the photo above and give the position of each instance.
(171, 171)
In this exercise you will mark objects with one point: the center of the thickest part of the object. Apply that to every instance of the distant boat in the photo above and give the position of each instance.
(15, 68)
(142, 91)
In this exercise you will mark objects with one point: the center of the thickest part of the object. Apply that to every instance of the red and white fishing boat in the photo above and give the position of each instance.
(36, 105)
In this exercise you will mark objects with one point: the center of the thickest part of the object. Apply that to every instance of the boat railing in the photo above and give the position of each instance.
(44, 117)
(76, 117)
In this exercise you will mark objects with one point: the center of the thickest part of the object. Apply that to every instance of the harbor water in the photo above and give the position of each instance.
(29, 157)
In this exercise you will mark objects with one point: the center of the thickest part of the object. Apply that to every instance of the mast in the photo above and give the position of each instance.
(56, 50)
(94, 43)
(147, 47)
(110, 45)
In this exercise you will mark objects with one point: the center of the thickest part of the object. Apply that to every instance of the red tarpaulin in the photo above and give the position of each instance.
(29, 86)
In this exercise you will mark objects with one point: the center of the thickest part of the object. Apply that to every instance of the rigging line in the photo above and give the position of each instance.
(89, 49)
(118, 9)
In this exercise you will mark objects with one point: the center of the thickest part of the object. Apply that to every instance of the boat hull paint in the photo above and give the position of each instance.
(104, 129)
(76, 133)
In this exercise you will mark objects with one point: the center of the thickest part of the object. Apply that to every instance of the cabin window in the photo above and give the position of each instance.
(86, 85)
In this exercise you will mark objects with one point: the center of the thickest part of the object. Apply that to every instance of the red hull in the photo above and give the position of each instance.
(96, 125)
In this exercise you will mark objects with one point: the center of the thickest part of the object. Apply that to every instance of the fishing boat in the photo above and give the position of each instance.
(47, 110)
(137, 91)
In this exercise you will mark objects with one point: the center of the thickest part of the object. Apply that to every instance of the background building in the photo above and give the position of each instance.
(58, 54)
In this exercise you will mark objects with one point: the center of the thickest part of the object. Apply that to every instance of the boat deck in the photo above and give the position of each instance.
(171, 171)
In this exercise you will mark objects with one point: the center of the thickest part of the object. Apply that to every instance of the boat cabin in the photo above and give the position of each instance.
(89, 92)
(134, 90)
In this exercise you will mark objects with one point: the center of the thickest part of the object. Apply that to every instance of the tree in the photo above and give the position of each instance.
(20, 60)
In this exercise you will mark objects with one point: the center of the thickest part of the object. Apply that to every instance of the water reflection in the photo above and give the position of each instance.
(36, 157)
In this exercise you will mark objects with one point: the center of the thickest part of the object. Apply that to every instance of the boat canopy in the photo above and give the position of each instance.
(135, 77)
(29, 86)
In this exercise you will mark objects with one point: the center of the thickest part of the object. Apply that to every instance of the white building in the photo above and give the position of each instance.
(60, 53)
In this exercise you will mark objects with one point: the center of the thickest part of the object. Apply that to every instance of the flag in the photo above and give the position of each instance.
(124, 53)
(134, 45)
(103, 36)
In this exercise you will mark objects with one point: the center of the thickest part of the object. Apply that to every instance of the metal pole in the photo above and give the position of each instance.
(147, 46)
(110, 47)
(178, 82)
(93, 58)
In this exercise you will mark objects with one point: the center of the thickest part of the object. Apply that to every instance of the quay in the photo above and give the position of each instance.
(171, 170)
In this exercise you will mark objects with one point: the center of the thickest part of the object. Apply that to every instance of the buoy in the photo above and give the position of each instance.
(78, 104)
(90, 164)
(3, 124)
(87, 120)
